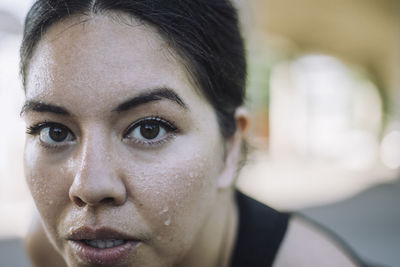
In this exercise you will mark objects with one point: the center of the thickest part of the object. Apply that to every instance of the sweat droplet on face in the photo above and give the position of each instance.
(165, 209)
(168, 221)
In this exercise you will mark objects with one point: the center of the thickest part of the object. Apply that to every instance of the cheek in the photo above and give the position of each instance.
(46, 181)
(175, 193)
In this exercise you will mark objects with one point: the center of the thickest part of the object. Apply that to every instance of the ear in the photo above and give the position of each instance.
(233, 149)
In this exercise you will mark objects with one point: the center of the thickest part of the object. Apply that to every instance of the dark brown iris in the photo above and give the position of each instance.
(58, 134)
(150, 130)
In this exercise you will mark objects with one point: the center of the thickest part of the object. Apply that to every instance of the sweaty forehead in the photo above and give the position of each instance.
(101, 53)
(103, 33)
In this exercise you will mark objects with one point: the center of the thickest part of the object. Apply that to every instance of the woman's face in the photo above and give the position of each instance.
(123, 156)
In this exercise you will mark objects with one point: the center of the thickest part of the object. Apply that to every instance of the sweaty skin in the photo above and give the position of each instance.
(172, 193)
(88, 164)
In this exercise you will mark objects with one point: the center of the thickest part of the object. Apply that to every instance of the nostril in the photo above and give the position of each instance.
(79, 202)
(107, 200)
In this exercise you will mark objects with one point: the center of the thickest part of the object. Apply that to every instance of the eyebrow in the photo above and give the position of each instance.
(39, 106)
(146, 97)
(150, 96)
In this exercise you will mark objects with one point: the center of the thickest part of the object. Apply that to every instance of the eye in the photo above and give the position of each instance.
(150, 130)
(51, 134)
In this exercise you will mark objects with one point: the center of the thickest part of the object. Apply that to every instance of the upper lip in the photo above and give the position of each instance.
(101, 233)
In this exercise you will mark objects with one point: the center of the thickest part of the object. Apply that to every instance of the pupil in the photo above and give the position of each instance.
(149, 131)
(58, 134)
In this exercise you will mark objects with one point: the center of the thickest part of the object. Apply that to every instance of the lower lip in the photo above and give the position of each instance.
(106, 256)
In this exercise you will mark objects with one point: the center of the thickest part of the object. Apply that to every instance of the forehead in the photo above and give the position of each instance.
(101, 58)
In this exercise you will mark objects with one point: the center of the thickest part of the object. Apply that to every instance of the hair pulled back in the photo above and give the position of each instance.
(204, 33)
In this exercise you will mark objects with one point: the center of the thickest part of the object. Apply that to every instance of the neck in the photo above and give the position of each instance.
(215, 242)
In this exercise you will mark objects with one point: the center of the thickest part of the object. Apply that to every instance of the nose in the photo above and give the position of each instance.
(96, 181)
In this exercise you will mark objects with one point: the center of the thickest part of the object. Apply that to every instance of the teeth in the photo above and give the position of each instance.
(101, 244)
(118, 242)
(108, 243)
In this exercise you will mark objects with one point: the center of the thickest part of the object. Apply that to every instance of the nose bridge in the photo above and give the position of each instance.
(95, 177)
(94, 154)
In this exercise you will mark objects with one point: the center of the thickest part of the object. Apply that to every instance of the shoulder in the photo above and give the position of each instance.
(306, 244)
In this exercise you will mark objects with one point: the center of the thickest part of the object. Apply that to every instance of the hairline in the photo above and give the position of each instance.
(126, 18)
(219, 72)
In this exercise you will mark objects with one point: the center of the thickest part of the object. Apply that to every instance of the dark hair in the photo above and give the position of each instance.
(204, 33)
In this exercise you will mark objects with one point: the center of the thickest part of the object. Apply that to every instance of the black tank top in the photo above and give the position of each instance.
(260, 232)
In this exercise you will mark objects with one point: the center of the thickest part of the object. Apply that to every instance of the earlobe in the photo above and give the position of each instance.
(242, 120)
(233, 150)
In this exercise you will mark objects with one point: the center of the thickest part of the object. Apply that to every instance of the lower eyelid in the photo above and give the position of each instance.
(152, 143)
(55, 147)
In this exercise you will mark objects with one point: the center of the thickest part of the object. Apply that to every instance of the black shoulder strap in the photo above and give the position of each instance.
(260, 232)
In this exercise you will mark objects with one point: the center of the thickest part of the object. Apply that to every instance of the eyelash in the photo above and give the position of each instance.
(169, 128)
(37, 128)
(170, 131)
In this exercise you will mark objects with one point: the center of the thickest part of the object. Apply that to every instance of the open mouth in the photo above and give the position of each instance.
(102, 246)
(103, 251)
(105, 243)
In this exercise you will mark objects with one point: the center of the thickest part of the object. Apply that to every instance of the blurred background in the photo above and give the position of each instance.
(324, 94)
